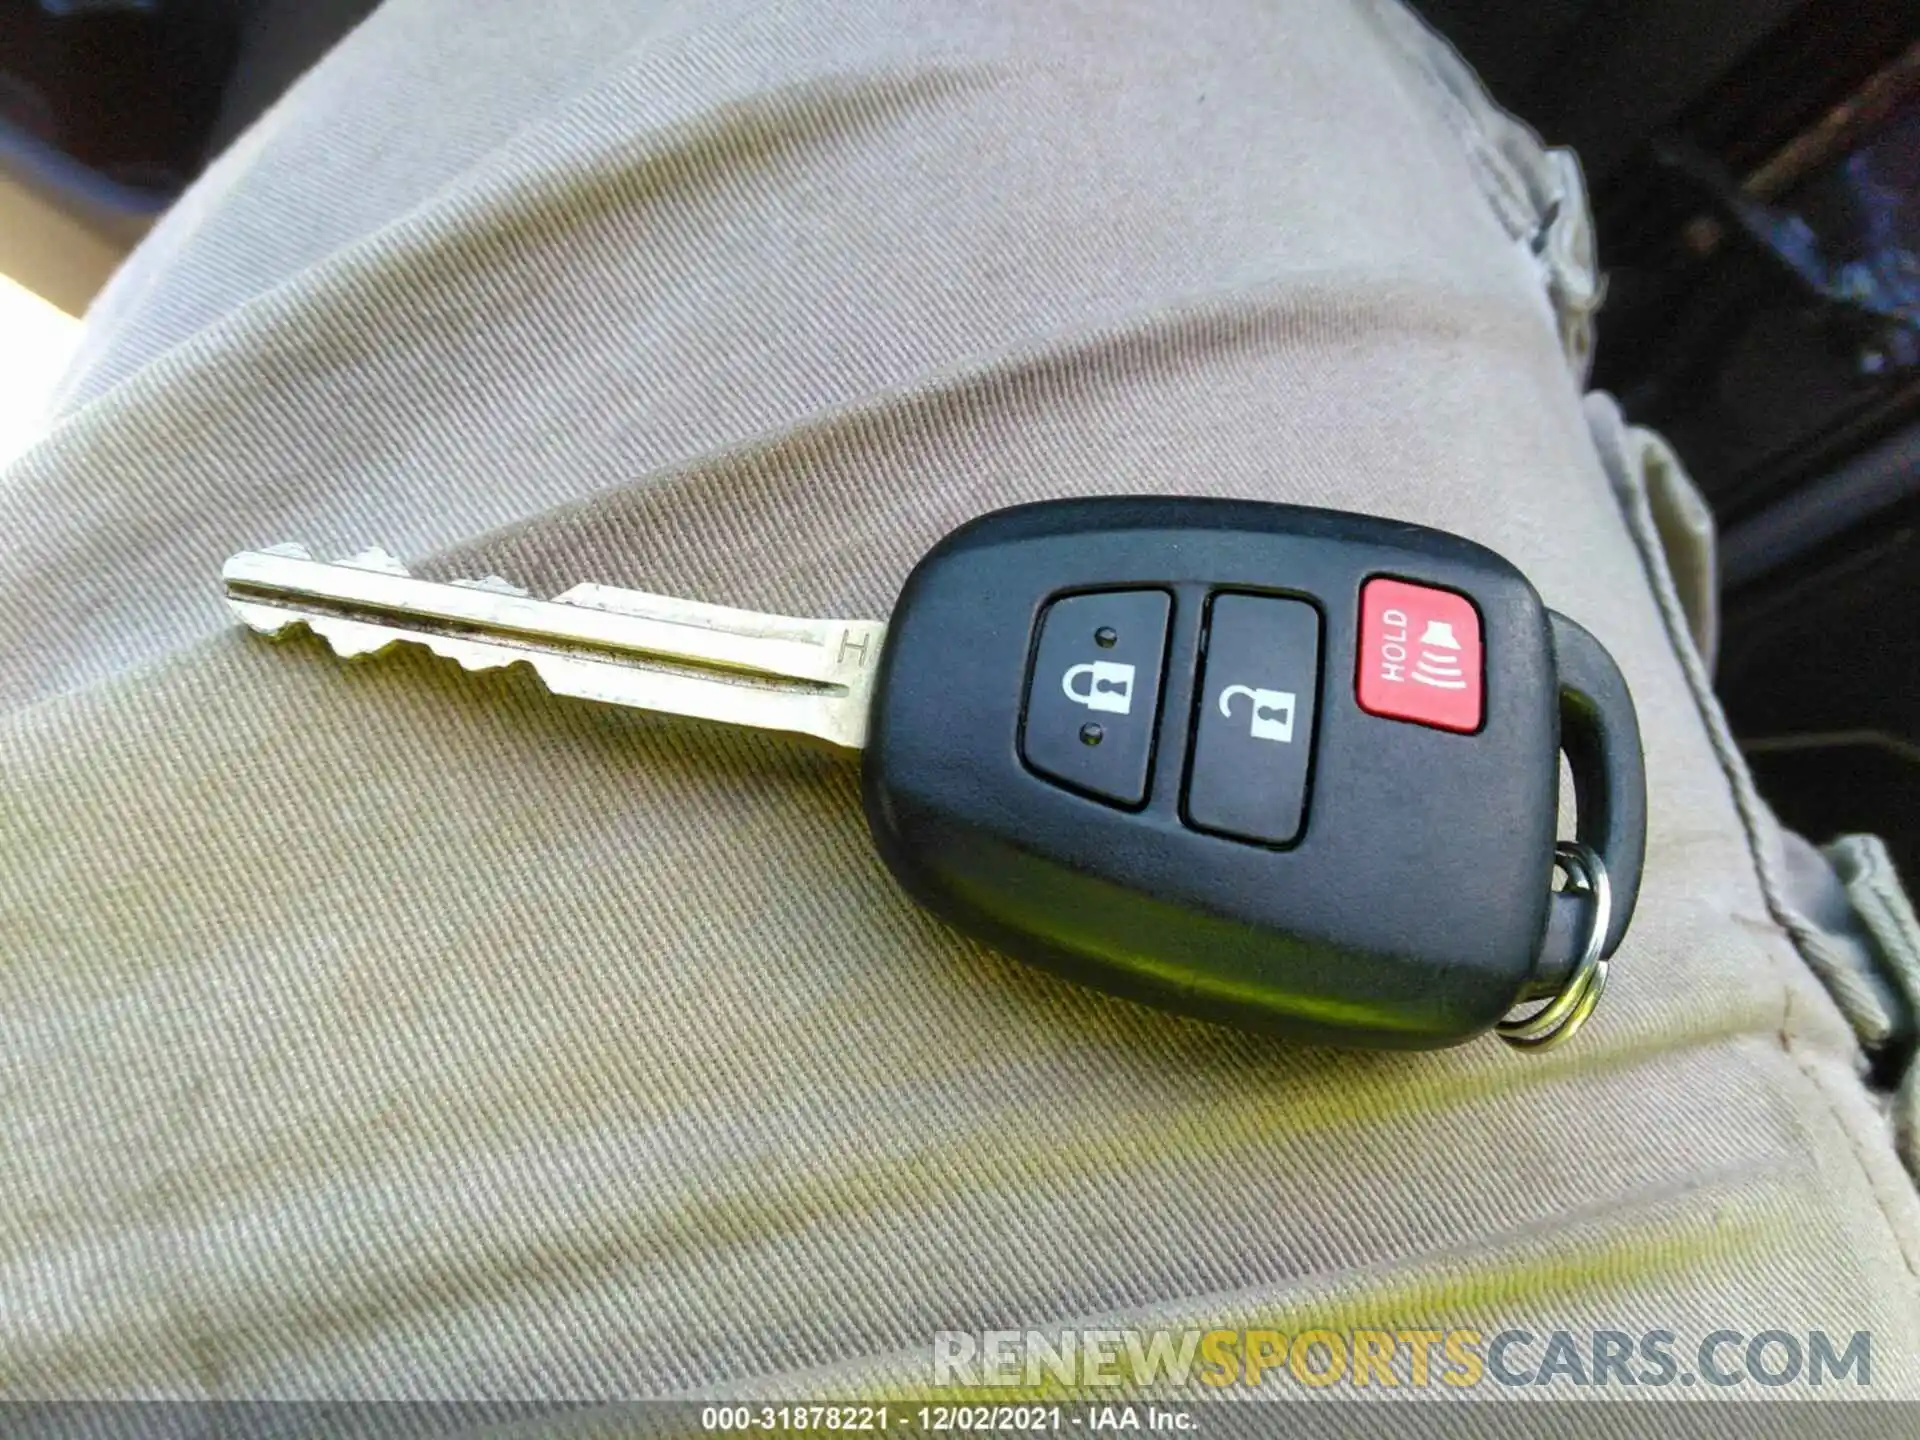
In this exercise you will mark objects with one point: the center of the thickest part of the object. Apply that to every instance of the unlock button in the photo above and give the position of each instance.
(1093, 697)
(1253, 736)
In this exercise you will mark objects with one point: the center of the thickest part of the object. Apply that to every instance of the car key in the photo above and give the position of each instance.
(1285, 769)
(595, 642)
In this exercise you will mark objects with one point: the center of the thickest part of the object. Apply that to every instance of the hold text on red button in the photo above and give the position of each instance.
(1419, 655)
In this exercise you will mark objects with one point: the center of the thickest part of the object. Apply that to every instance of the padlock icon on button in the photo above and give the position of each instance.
(1271, 717)
(1109, 686)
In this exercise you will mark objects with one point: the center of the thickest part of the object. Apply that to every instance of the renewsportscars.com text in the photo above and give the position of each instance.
(1461, 1359)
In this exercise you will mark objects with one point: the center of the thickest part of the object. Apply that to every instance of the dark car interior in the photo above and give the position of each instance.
(1755, 171)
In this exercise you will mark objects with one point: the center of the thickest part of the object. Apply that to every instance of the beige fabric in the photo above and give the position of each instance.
(1679, 524)
(388, 1030)
(1885, 914)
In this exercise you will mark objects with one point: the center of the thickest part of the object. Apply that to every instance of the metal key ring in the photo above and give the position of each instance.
(1561, 1017)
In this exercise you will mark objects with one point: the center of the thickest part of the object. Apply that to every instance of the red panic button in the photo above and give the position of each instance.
(1419, 655)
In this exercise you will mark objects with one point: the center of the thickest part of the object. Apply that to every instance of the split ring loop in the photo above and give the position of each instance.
(1562, 1016)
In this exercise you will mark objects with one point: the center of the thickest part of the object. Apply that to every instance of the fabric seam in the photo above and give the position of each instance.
(1781, 915)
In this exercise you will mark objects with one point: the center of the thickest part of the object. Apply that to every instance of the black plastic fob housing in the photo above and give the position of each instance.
(1392, 889)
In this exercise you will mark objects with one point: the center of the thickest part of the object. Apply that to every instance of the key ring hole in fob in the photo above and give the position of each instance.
(1599, 734)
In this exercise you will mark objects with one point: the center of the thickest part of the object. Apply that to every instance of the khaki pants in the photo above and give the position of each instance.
(391, 1031)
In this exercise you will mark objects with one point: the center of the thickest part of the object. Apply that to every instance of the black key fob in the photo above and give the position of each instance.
(1282, 768)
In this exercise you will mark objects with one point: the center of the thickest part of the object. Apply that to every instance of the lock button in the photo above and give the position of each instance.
(1253, 735)
(1093, 694)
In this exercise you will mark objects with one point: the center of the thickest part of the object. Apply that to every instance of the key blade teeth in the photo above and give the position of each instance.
(361, 640)
(493, 584)
(580, 595)
(352, 639)
(470, 655)
(375, 559)
(349, 639)
(267, 620)
(290, 610)
(617, 601)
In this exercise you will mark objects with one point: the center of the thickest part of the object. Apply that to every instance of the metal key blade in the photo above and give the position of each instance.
(596, 642)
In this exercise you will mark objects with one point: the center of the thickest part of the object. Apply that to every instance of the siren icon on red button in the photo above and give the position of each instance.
(1438, 658)
(1419, 655)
